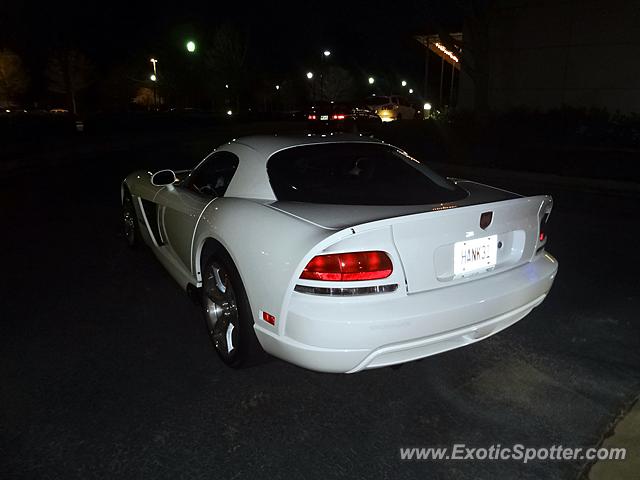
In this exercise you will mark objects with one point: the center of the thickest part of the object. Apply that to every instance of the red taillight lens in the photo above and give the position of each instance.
(311, 117)
(338, 116)
(345, 267)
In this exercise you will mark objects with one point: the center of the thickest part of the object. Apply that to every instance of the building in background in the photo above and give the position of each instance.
(447, 68)
(545, 54)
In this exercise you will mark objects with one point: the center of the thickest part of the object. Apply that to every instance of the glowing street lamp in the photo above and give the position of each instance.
(404, 83)
(153, 77)
(277, 87)
(371, 80)
(309, 75)
(191, 46)
(326, 53)
(229, 112)
(411, 90)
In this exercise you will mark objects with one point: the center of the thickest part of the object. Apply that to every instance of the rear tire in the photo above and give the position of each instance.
(227, 313)
(130, 226)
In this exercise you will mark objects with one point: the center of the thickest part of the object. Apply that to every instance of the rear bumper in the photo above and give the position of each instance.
(352, 334)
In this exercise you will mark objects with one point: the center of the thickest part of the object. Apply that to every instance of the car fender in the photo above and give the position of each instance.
(267, 247)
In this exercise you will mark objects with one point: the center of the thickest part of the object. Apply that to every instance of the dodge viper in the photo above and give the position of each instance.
(340, 253)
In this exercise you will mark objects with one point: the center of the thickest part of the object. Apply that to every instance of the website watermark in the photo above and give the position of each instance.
(517, 452)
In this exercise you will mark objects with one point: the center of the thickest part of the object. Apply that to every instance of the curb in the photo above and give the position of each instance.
(622, 433)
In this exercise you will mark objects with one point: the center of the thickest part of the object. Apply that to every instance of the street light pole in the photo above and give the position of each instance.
(453, 75)
(313, 85)
(191, 95)
(441, 79)
(426, 72)
(155, 79)
(325, 55)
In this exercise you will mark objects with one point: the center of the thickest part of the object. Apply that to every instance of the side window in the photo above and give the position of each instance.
(213, 176)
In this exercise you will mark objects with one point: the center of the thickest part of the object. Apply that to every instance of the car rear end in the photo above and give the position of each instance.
(407, 280)
(329, 117)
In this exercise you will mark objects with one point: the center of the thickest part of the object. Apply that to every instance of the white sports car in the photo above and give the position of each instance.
(340, 253)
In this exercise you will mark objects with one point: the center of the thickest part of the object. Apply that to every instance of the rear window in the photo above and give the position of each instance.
(356, 174)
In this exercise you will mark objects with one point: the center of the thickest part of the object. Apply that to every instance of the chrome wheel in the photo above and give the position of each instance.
(129, 220)
(221, 310)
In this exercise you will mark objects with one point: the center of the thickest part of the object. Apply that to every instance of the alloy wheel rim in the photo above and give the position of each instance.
(221, 310)
(129, 221)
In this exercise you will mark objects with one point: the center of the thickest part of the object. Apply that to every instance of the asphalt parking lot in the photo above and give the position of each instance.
(107, 371)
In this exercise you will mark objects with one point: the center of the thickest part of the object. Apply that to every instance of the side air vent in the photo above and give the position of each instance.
(151, 212)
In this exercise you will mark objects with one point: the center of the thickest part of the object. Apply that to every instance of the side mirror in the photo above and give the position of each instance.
(163, 178)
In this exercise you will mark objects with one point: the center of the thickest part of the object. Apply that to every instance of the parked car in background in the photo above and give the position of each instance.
(341, 117)
(393, 107)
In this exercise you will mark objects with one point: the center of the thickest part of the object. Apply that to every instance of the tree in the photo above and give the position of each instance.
(68, 72)
(13, 78)
(115, 88)
(144, 97)
(224, 58)
(337, 84)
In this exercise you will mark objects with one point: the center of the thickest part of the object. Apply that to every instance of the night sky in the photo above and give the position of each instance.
(283, 36)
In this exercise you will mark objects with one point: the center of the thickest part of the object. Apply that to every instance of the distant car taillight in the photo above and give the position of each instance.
(345, 267)
(338, 116)
(311, 117)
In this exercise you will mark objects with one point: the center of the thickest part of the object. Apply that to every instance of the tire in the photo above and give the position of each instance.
(130, 226)
(227, 313)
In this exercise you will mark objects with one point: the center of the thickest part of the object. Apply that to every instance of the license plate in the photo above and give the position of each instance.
(475, 255)
(324, 117)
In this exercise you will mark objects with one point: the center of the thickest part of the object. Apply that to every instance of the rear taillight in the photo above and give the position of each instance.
(338, 116)
(311, 117)
(345, 267)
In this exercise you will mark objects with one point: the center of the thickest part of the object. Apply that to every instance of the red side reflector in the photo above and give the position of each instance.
(267, 317)
(345, 267)
(543, 224)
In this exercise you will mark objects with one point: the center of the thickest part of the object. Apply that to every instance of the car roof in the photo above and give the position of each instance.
(267, 145)
(251, 180)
